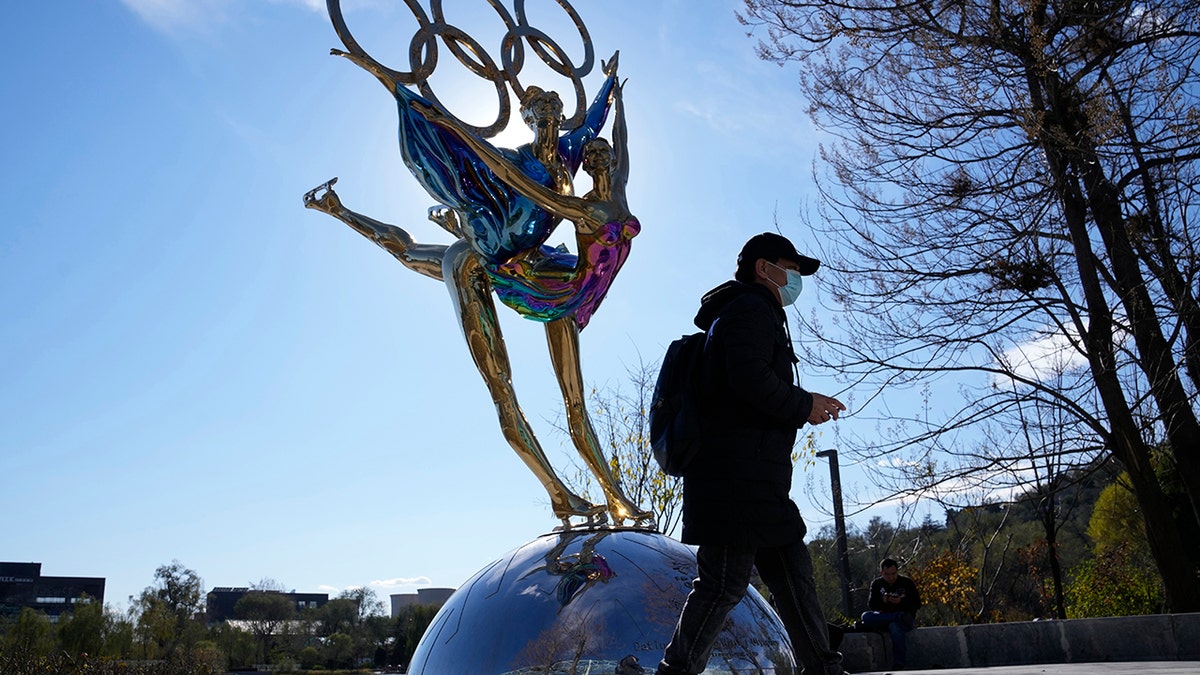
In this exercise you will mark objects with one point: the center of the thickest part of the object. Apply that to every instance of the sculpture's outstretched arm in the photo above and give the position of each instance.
(570, 146)
(371, 66)
(562, 206)
(620, 144)
(390, 78)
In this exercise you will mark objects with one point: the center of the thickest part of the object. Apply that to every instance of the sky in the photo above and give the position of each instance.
(196, 368)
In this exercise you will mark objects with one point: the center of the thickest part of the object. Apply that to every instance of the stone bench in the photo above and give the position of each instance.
(1159, 637)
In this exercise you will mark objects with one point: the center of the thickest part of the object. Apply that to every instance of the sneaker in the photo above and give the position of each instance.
(629, 666)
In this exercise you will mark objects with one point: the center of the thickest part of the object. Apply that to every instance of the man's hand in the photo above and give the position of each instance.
(824, 408)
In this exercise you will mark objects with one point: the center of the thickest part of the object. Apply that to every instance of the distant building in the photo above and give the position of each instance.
(423, 596)
(22, 585)
(221, 600)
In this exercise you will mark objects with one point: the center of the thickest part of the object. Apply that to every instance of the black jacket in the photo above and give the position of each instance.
(735, 492)
(910, 599)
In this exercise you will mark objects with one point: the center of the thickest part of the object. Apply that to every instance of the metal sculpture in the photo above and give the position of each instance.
(501, 205)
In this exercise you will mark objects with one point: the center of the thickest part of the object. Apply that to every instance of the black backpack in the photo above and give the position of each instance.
(675, 415)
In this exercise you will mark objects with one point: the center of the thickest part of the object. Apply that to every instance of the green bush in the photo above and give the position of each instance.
(1113, 585)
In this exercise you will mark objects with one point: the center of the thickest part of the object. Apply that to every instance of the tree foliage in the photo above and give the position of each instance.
(169, 612)
(1113, 584)
(93, 640)
(1011, 192)
(163, 633)
(366, 602)
(983, 563)
(1117, 521)
(947, 584)
(974, 568)
(409, 626)
(266, 612)
(83, 630)
(336, 616)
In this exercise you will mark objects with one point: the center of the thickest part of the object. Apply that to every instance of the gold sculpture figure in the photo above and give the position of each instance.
(501, 205)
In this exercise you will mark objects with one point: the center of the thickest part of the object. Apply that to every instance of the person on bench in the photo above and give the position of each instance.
(893, 602)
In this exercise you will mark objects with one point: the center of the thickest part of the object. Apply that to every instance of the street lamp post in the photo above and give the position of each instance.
(839, 521)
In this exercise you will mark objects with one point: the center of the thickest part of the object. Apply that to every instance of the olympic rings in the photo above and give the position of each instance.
(423, 55)
(472, 55)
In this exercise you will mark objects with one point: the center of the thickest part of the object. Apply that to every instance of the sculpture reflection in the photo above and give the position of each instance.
(511, 618)
(577, 571)
(502, 205)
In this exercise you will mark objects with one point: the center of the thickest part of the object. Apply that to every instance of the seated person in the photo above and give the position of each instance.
(894, 601)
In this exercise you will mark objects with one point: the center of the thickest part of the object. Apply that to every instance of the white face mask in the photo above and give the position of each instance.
(791, 290)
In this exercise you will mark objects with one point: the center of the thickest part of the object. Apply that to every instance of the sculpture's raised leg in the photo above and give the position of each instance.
(421, 258)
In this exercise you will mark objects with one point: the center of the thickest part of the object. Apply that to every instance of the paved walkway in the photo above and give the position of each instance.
(1123, 668)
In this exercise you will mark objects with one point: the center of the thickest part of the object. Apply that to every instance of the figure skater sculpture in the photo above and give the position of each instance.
(501, 226)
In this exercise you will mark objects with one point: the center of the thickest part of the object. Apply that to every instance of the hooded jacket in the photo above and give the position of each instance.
(735, 492)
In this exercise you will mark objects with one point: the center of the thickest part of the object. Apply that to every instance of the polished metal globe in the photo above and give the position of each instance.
(589, 601)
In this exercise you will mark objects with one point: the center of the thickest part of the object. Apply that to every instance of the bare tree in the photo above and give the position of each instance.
(365, 599)
(621, 415)
(1011, 179)
(1030, 452)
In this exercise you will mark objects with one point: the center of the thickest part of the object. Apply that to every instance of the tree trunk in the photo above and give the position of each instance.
(1155, 355)
(1050, 525)
(1154, 248)
(1177, 566)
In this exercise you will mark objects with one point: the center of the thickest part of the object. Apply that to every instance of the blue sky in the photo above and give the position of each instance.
(197, 368)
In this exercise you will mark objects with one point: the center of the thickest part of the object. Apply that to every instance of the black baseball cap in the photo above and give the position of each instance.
(773, 247)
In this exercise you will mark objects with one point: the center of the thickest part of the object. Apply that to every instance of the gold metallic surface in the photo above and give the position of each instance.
(606, 203)
(468, 284)
(461, 267)
(422, 258)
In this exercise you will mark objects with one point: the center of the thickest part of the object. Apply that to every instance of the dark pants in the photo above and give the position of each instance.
(897, 624)
(724, 576)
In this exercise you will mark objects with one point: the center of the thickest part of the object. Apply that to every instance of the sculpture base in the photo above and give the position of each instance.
(581, 601)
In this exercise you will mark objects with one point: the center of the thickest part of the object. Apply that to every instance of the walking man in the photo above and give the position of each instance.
(736, 506)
